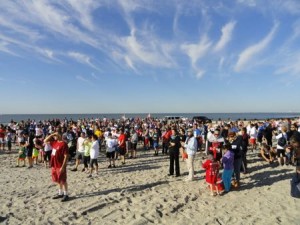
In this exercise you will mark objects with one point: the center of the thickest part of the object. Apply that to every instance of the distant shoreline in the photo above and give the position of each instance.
(6, 118)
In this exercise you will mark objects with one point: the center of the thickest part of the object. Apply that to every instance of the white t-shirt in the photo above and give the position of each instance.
(47, 147)
(38, 131)
(80, 146)
(94, 151)
(253, 132)
(110, 144)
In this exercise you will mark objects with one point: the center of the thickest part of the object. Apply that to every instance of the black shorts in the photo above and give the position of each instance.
(29, 152)
(122, 151)
(110, 155)
(93, 162)
(47, 155)
(280, 152)
(133, 146)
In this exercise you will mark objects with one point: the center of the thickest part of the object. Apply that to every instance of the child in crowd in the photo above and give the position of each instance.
(47, 154)
(22, 154)
(87, 148)
(9, 139)
(227, 161)
(212, 172)
(111, 144)
(155, 138)
(35, 155)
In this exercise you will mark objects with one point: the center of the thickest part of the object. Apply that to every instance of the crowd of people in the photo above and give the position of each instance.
(223, 145)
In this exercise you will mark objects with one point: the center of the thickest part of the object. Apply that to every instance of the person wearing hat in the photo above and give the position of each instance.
(191, 146)
(236, 147)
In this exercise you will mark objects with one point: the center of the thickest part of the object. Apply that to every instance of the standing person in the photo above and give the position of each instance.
(29, 144)
(122, 145)
(215, 143)
(47, 154)
(80, 150)
(134, 140)
(111, 144)
(9, 138)
(174, 146)
(155, 139)
(165, 140)
(2, 137)
(253, 136)
(211, 167)
(94, 153)
(227, 161)
(245, 143)
(87, 148)
(281, 144)
(191, 146)
(236, 148)
(182, 137)
(59, 159)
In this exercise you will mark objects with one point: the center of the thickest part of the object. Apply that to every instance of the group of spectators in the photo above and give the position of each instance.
(85, 138)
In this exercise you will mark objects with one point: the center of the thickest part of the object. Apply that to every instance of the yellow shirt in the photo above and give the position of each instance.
(98, 133)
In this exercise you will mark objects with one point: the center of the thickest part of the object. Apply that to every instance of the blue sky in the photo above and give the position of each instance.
(122, 56)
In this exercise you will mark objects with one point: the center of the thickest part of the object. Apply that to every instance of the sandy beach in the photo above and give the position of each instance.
(140, 192)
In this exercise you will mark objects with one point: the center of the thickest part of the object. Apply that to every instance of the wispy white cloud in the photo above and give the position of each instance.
(226, 35)
(83, 79)
(4, 47)
(249, 53)
(84, 11)
(196, 52)
(82, 58)
(94, 76)
(250, 3)
(290, 65)
(143, 48)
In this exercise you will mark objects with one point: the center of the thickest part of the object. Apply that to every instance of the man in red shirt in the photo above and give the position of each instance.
(2, 137)
(59, 159)
(122, 145)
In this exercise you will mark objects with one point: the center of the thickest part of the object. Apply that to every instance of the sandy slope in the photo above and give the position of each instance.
(141, 193)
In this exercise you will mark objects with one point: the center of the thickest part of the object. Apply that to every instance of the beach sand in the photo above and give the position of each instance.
(140, 192)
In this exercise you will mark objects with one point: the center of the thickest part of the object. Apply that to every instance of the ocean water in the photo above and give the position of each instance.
(6, 118)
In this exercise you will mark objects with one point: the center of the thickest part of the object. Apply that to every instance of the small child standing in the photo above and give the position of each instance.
(227, 161)
(22, 154)
(212, 172)
(155, 139)
(9, 139)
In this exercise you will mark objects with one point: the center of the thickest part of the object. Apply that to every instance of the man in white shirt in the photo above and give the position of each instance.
(191, 146)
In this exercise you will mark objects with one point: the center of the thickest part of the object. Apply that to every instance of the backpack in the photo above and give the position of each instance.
(282, 141)
(295, 186)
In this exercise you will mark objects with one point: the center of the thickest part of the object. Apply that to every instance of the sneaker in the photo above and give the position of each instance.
(74, 169)
(177, 175)
(58, 196)
(109, 166)
(65, 198)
